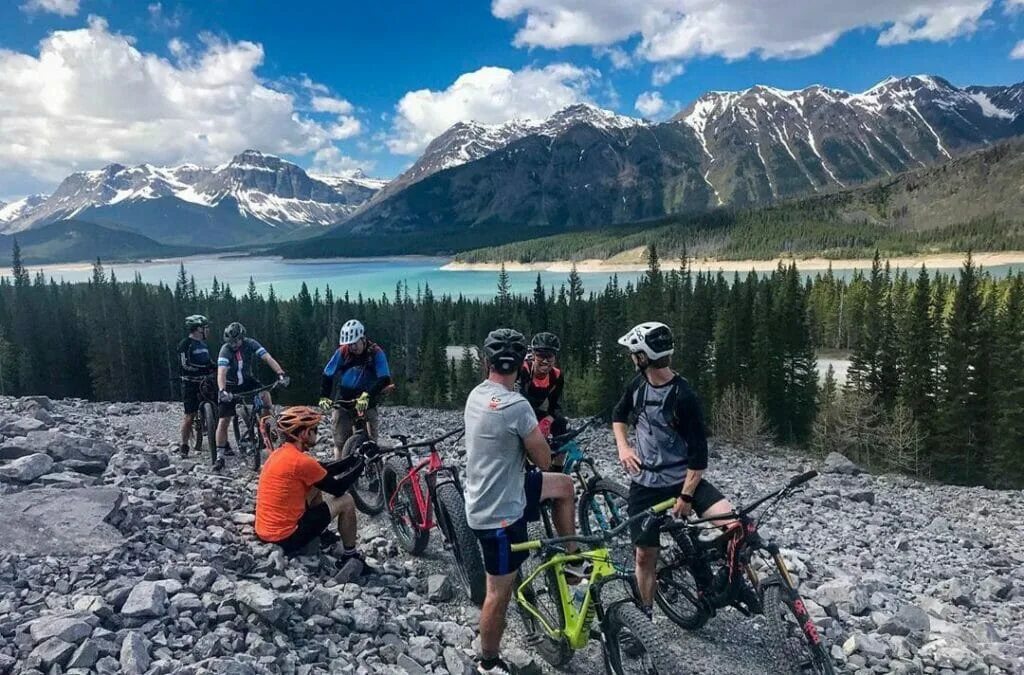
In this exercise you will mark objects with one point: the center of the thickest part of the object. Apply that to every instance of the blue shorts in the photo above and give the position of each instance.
(496, 543)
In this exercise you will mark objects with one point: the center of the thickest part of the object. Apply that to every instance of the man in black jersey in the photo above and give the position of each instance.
(195, 362)
(541, 382)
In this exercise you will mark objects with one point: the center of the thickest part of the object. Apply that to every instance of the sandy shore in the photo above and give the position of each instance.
(628, 262)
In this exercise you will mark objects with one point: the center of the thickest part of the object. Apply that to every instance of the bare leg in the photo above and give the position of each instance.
(222, 431)
(186, 428)
(722, 506)
(344, 509)
(341, 428)
(646, 573)
(559, 488)
(492, 614)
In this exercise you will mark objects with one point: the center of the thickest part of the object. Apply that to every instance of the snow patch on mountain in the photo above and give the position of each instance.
(19, 209)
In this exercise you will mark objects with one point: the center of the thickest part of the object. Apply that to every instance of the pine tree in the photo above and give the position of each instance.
(1006, 468)
(918, 354)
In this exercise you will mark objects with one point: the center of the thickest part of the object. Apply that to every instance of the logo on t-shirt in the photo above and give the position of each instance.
(495, 402)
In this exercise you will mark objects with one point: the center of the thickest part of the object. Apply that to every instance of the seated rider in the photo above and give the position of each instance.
(501, 497)
(195, 362)
(358, 370)
(236, 367)
(671, 450)
(297, 497)
(542, 383)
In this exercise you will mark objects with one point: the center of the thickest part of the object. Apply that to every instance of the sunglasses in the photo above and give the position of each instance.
(544, 356)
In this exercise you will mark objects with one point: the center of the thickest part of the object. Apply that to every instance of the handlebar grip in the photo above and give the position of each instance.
(526, 546)
(802, 478)
(661, 507)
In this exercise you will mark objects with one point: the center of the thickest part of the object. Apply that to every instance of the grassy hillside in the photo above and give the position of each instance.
(975, 201)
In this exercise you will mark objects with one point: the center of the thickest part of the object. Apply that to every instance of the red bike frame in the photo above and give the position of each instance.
(433, 465)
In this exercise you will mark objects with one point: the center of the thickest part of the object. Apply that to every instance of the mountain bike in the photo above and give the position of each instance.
(368, 492)
(698, 577)
(204, 422)
(420, 489)
(260, 434)
(601, 503)
(559, 619)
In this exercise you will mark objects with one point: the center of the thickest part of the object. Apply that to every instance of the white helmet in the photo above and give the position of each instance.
(651, 337)
(351, 332)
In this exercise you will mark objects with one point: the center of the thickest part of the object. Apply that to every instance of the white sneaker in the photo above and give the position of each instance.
(500, 668)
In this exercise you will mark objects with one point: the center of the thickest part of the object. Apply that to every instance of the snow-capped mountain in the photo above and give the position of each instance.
(465, 142)
(737, 148)
(765, 143)
(17, 209)
(251, 197)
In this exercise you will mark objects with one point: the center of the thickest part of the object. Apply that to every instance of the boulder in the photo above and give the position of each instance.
(71, 628)
(67, 479)
(85, 656)
(439, 588)
(26, 469)
(951, 653)
(836, 463)
(53, 652)
(263, 601)
(909, 620)
(54, 521)
(134, 654)
(21, 426)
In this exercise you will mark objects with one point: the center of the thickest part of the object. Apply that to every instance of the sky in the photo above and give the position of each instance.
(336, 85)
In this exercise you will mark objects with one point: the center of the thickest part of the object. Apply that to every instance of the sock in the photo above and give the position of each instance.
(345, 550)
(648, 610)
(489, 662)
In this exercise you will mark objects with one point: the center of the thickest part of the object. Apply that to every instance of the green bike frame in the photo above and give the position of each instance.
(576, 631)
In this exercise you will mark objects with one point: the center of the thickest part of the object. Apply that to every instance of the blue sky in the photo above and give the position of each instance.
(337, 85)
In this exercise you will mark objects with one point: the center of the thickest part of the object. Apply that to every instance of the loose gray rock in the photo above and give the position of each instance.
(909, 620)
(85, 656)
(71, 628)
(135, 658)
(439, 588)
(147, 600)
(54, 521)
(836, 463)
(260, 600)
(26, 469)
(53, 652)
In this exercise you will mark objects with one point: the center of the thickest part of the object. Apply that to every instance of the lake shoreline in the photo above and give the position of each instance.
(932, 261)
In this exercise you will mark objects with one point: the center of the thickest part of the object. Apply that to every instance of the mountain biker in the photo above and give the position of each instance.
(671, 450)
(297, 497)
(359, 370)
(501, 497)
(236, 365)
(541, 383)
(195, 362)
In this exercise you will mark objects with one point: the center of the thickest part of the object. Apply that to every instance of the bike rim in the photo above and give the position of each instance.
(678, 589)
(401, 514)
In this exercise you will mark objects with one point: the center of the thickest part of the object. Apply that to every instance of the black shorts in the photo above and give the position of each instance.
(496, 543)
(311, 525)
(190, 397)
(642, 498)
(228, 409)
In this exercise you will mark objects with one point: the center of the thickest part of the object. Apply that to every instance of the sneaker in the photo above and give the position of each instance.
(329, 538)
(229, 451)
(183, 449)
(218, 463)
(497, 668)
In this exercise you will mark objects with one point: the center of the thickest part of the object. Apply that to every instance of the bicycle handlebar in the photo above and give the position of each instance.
(605, 535)
(794, 482)
(242, 395)
(562, 439)
(422, 444)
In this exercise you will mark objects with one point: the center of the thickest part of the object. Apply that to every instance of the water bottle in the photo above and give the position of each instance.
(579, 592)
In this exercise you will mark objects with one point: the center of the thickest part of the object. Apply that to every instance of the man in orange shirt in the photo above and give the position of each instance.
(297, 497)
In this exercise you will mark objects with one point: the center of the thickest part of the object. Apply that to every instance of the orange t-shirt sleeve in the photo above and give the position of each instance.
(309, 471)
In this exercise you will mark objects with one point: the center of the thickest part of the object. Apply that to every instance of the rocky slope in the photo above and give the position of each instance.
(162, 574)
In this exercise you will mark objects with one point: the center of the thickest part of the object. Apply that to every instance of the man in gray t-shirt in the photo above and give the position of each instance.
(501, 496)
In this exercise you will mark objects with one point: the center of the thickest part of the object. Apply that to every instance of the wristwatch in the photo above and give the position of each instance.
(686, 498)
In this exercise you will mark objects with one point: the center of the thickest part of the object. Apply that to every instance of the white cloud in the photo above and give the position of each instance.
(333, 162)
(160, 20)
(90, 97)
(62, 7)
(650, 104)
(332, 105)
(489, 95)
(1018, 51)
(672, 30)
(666, 72)
(620, 58)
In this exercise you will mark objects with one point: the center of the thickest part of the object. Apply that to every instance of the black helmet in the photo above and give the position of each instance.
(505, 349)
(234, 331)
(196, 321)
(545, 342)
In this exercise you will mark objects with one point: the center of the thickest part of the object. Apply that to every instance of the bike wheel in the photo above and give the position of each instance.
(791, 648)
(208, 419)
(601, 507)
(368, 491)
(403, 510)
(677, 593)
(634, 645)
(543, 595)
(469, 562)
(263, 425)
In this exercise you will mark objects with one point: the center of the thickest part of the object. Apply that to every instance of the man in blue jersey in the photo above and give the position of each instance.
(358, 370)
(236, 372)
(195, 363)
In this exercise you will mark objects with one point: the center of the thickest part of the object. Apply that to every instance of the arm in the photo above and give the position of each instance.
(688, 411)
(327, 380)
(339, 484)
(383, 371)
(620, 427)
(537, 448)
(523, 422)
(341, 465)
(269, 360)
(222, 378)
